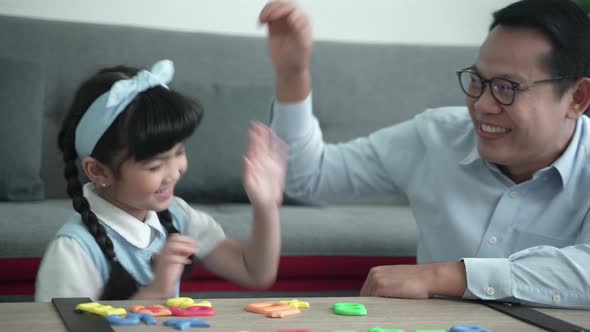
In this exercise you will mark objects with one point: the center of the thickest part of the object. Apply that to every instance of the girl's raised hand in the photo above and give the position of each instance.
(265, 164)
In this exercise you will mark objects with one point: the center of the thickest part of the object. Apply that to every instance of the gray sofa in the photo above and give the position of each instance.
(357, 89)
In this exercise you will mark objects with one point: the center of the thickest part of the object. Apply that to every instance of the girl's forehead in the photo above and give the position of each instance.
(178, 147)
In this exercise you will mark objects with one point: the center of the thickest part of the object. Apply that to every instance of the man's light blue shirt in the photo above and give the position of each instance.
(526, 242)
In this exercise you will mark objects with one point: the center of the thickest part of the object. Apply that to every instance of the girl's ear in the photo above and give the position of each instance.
(580, 97)
(97, 172)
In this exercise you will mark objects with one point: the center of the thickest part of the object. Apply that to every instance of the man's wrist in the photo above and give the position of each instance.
(292, 85)
(447, 279)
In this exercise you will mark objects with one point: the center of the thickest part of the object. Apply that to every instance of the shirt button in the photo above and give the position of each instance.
(556, 298)
(490, 291)
(514, 194)
(492, 240)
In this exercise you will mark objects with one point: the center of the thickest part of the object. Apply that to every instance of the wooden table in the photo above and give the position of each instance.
(382, 312)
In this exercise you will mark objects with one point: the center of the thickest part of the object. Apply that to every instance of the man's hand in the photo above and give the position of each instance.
(416, 281)
(265, 165)
(289, 46)
(289, 36)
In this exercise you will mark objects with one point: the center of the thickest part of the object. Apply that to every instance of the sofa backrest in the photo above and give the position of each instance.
(357, 88)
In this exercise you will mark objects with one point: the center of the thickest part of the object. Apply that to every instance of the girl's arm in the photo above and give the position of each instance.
(255, 263)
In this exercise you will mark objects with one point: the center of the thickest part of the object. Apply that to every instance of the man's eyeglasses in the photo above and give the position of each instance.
(503, 90)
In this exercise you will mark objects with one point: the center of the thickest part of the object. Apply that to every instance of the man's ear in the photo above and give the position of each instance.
(580, 97)
(97, 172)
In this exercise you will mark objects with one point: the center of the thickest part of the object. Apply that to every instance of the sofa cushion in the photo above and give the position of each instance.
(22, 91)
(215, 150)
(345, 230)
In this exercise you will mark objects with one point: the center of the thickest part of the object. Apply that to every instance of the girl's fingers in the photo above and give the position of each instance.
(183, 239)
(258, 138)
(173, 259)
(249, 173)
(279, 147)
(179, 245)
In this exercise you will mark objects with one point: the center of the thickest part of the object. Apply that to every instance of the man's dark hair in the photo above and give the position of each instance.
(565, 24)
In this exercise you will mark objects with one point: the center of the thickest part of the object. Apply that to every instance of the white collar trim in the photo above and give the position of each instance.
(136, 232)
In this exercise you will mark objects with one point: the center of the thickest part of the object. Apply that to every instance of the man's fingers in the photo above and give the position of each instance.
(267, 10)
(297, 20)
(283, 12)
(276, 10)
(367, 288)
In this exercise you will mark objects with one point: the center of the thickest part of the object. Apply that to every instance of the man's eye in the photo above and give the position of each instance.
(503, 87)
(475, 81)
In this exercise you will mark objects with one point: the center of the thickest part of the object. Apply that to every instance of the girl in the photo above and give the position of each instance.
(131, 237)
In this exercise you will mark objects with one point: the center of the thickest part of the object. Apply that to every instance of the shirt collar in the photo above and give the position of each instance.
(472, 153)
(564, 164)
(136, 232)
(472, 156)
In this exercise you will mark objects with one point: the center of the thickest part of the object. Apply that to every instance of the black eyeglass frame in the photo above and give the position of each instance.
(515, 85)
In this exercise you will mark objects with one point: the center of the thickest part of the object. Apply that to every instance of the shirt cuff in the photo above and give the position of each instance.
(488, 278)
(291, 120)
(468, 295)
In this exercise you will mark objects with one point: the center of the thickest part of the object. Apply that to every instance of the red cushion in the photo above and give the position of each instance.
(296, 273)
(322, 267)
(17, 288)
(18, 269)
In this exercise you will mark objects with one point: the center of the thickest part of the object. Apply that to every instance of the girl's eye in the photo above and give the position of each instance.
(155, 168)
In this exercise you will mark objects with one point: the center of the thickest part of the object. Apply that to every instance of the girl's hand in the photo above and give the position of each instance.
(265, 164)
(169, 264)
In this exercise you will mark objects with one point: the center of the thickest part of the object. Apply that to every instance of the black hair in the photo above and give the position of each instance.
(155, 121)
(565, 24)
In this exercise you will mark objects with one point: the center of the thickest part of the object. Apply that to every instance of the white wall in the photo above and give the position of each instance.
(447, 22)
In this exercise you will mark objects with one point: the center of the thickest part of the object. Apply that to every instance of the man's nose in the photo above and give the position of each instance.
(486, 103)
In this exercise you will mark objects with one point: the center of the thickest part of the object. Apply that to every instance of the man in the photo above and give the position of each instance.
(498, 188)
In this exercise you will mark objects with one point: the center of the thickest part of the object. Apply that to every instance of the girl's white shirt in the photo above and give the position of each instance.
(67, 271)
